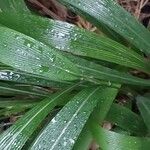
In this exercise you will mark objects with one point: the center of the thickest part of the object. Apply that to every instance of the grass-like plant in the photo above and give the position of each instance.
(67, 79)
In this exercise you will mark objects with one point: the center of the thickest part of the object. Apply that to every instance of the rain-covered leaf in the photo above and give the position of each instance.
(17, 76)
(92, 71)
(107, 97)
(14, 6)
(25, 53)
(67, 37)
(108, 13)
(17, 135)
(64, 129)
(7, 88)
(33, 57)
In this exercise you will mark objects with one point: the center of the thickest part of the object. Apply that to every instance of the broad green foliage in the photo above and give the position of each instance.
(65, 80)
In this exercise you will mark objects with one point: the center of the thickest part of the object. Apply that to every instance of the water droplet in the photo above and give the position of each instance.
(65, 143)
(91, 77)
(5, 45)
(67, 70)
(17, 37)
(116, 26)
(65, 121)
(53, 121)
(109, 83)
(71, 141)
(29, 45)
(1, 10)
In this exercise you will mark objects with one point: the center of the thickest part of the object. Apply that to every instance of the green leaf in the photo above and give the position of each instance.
(6, 113)
(17, 76)
(20, 89)
(91, 71)
(17, 103)
(67, 37)
(65, 127)
(16, 136)
(107, 97)
(122, 117)
(14, 6)
(109, 140)
(143, 104)
(108, 13)
(84, 140)
(34, 57)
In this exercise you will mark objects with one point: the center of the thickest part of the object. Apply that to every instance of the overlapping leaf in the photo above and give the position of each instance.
(33, 57)
(69, 38)
(122, 117)
(14, 6)
(92, 71)
(64, 129)
(27, 54)
(17, 76)
(109, 140)
(98, 115)
(143, 104)
(108, 13)
(8, 89)
(16, 136)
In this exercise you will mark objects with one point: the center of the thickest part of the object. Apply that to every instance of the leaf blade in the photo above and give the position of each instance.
(66, 37)
(115, 17)
(67, 123)
(143, 104)
(33, 57)
(18, 133)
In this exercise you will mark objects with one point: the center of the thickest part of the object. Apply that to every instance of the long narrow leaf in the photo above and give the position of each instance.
(14, 6)
(122, 117)
(110, 14)
(16, 136)
(34, 57)
(113, 141)
(29, 90)
(98, 115)
(143, 104)
(64, 129)
(69, 38)
(93, 71)
(17, 76)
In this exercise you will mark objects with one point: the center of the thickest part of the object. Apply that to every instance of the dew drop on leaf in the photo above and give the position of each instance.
(71, 141)
(53, 120)
(65, 143)
(109, 83)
